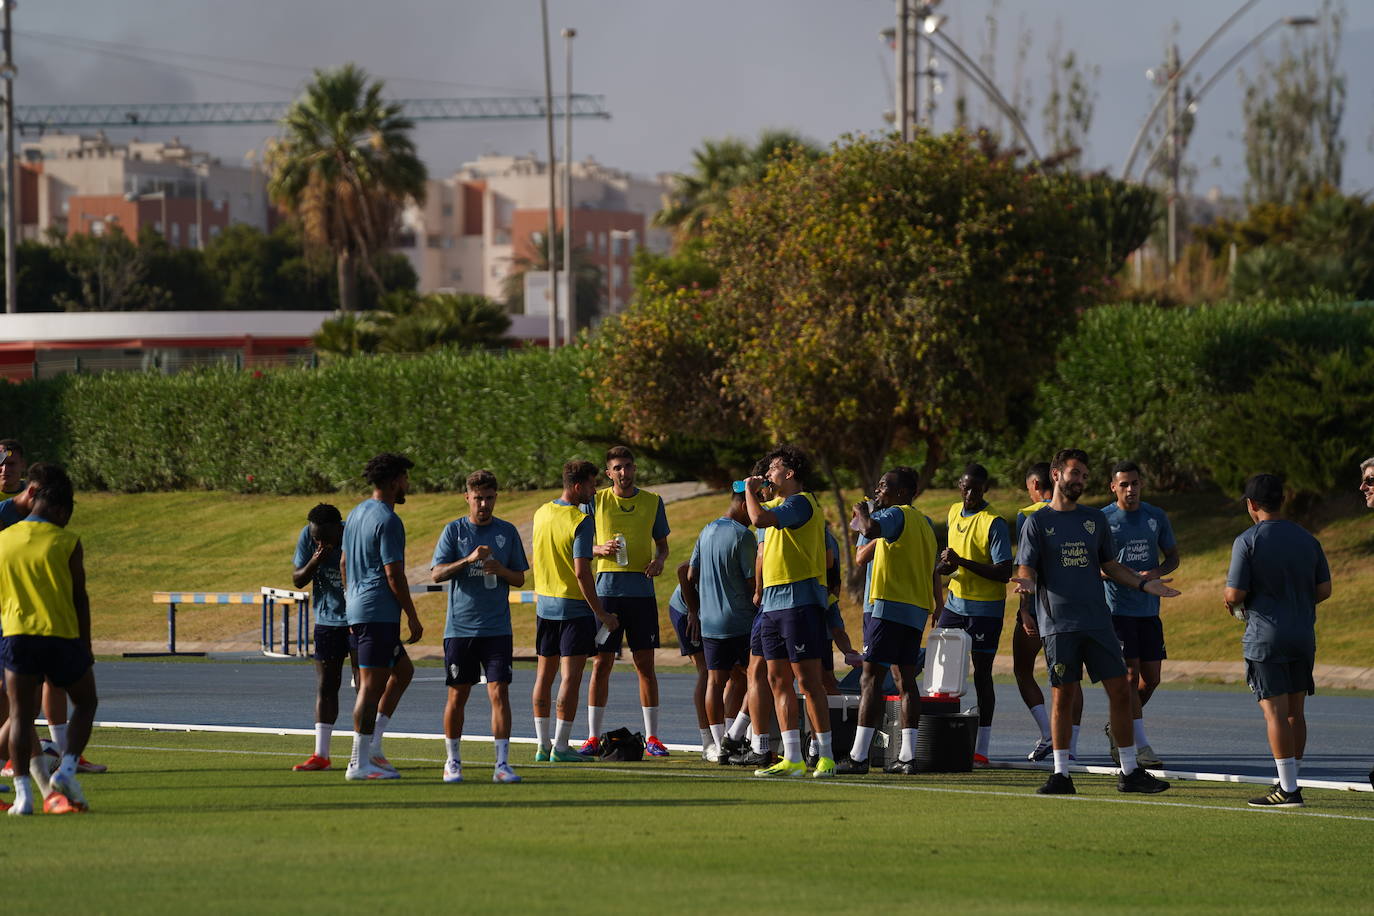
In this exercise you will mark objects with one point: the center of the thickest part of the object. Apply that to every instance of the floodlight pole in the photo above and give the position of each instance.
(553, 182)
(11, 189)
(571, 303)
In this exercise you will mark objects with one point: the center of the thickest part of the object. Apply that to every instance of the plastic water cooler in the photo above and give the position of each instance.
(946, 737)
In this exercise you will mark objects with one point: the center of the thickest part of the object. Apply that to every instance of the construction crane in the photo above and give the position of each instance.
(38, 118)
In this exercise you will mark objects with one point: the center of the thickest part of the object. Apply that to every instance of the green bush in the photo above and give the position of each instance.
(1164, 386)
(300, 430)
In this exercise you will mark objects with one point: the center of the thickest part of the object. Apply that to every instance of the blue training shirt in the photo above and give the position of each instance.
(1067, 550)
(999, 551)
(1141, 537)
(326, 584)
(373, 538)
(9, 514)
(553, 608)
(1279, 566)
(723, 558)
(474, 609)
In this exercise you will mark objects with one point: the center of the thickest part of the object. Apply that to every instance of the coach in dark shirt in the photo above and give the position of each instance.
(1278, 576)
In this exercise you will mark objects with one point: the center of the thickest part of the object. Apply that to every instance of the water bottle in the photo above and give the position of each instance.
(855, 524)
(490, 579)
(622, 554)
(602, 635)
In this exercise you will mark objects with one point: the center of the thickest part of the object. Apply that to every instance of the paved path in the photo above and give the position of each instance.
(1214, 730)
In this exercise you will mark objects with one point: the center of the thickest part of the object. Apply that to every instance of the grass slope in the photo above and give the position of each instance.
(140, 543)
(219, 823)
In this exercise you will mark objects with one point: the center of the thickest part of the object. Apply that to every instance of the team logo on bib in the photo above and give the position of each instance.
(1090, 526)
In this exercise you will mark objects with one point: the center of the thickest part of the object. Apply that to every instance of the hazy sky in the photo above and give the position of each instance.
(672, 73)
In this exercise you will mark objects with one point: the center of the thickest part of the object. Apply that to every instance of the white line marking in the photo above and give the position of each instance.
(730, 777)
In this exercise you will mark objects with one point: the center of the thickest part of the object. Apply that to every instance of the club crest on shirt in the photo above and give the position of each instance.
(500, 540)
(1154, 525)
(1090, 526)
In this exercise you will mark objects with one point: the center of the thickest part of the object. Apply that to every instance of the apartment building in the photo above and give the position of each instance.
(77, 183)
(476, 224)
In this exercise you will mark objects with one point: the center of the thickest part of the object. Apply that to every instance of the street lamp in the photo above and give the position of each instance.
(1171, 79)
(553, 179)
(568, 36)
(7, 74)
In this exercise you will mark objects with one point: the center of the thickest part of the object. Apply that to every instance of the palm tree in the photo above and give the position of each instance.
(463, 320)
(719, 167)
(344, 166)
(586, 278)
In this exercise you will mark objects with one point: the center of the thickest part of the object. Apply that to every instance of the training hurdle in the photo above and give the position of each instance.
(172, 599)
(287, 599)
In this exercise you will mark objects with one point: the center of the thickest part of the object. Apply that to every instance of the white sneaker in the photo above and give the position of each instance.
(1040, 751)
(453, 771)
(382, 763)
(504, 773)
(21, 808)
(368, 771)
(711, 753)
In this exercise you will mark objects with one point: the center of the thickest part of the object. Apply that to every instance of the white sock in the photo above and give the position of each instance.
(717, 733)
(38, 769)
(562, 732)
(361, 745)
(1128, 763)
(22, 792)
(729, 721)
(812, 748)
(791, 745)
(67, 768)
(323, 732)
(451, 748)
(1297, 761)
(1061, 762)
(824, 746)
(863, 739)
(1042, 719)
(984, 736)
(759, 743)
(650, 721)
(738, 727)
(502, 751)
(596, 715)
(379, 732)
(59, 736)
(908, 744)
(708, 736)
(1139, 726)
(541, 731)
(1288, 774)
(1073, 742)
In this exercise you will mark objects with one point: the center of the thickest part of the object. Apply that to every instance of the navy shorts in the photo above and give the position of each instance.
(725, 653)
(756, 636)
(684, 642)
(1141, 637)
(984, 631)
(333, 644)
(796, 634)
(1067, 654)
(467, 658)
(887, 642)
(1276, 679)
(638, 623)
(378, 644)
(565, 638)
(828, 659)
(61, 661)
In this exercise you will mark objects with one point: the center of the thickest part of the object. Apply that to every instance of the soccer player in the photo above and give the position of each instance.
(47, 624)
(484, 558)
(978, 559)
(901, 589)
(1025, 642)
(567, 607)
(793, 632)
(1367, 491)
(316, 561)
(627, 591)
(720, 576)
(1065, 548)
(13, 468)
(376, 594)
(1277, 578)
(1144, 542)
(689, 646)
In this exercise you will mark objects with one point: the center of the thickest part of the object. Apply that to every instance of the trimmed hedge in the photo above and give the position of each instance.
(520, 414)
(1185, 391)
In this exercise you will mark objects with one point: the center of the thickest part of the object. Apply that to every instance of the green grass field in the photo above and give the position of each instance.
(140, 543)
(218, 823)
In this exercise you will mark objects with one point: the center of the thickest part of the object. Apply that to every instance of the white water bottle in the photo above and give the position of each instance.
(622, 554)
(490, 579)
